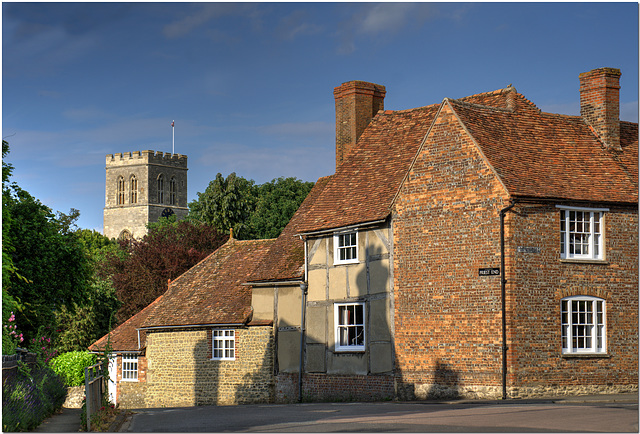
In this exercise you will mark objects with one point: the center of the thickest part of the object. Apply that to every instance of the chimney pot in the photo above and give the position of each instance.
(600, 104)
(357, 102)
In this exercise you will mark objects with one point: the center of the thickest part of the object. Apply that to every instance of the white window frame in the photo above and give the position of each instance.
(343, 325)
(340, 238)
(129, 367)
(582, 234)
(223, 344)
(584, 325)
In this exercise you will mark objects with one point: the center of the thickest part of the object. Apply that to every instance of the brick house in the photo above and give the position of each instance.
(478, 247)
(197, 344)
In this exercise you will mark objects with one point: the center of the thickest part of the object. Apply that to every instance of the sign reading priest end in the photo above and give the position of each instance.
(488, 271)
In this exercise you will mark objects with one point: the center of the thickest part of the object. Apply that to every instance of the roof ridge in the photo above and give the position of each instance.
(491, 92)
(476, 105)
(389, 112)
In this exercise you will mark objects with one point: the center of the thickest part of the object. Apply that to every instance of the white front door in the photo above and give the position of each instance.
(113, 372)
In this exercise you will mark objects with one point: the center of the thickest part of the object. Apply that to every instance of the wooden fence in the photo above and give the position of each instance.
(10, 363)
(93, 389)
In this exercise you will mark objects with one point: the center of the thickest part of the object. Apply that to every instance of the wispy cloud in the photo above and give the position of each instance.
(203, 13)
(381, 19)
(296, 24)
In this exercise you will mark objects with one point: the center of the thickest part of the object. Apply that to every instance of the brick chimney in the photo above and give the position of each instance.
(600, 104)
(357, 102)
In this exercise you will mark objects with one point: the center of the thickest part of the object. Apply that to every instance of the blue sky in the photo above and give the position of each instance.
(250, 85)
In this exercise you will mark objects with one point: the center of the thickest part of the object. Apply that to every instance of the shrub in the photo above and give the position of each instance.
(29, 396)
(70, 366)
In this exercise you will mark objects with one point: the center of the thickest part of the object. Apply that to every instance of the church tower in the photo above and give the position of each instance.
(140, 188)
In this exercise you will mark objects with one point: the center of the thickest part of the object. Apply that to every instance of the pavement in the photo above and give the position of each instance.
(68, 419)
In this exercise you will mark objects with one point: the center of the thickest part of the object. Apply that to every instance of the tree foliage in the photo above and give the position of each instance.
(253, 211)
(225, 204)
(50, 265)
(49, 271)
(140, 270)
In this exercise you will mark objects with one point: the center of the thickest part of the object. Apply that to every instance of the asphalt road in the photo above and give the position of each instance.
(390, 417)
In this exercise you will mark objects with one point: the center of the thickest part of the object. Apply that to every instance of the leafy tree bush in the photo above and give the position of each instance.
(29, 396)
(70, 366)
(253, 211)
(141, 269)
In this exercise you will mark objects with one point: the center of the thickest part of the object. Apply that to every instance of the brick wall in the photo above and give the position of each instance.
(131, 394)
(448, 318)
(540, 279)
(323, 387)
(446, 227)
(181, 372)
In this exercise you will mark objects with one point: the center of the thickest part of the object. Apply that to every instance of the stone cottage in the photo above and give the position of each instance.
(478, 247)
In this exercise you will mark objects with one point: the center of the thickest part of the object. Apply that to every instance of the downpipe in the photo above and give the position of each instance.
(303, 290)
(503, 285)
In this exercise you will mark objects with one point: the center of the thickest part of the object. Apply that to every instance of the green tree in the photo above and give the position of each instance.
(276, 203)
(44, 265)
(225, 204)
(253, 211)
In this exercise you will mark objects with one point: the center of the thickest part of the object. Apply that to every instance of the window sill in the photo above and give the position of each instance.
(585, 261)
(355, 261)
(586, 356)
(349, 350)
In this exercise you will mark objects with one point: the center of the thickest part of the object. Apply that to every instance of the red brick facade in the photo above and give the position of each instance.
(446, 227)
(448, 317)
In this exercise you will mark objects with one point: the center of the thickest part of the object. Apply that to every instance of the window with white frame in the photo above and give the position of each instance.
(224, 344)
(349, 326)
(129, 367)
(581, 233)
(583, 325)
(345, 247)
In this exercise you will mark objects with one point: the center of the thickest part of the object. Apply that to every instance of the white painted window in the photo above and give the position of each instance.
(129, 367)
(581, 233)
(345, 247)
(583, 325)
(349, 326)
(224, 344)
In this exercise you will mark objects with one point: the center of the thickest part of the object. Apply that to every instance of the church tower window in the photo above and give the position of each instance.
(133, 184)
(172, 191)
(160, 188)
(121, 190)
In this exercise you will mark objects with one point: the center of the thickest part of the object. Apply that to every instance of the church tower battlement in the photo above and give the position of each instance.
(141, 187)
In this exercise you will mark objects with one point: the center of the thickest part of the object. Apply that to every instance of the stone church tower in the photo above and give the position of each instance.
(141, 187)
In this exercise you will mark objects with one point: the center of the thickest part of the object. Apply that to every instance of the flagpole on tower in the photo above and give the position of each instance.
(173, 141)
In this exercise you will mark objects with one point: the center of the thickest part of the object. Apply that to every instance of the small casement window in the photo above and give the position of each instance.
(345, 247)
(582, 233)
(583, 325)
(133, 184)
(161, 189)
(349, 326)
(121, 191)
(129, 367)
(224, 344)
(172, 191)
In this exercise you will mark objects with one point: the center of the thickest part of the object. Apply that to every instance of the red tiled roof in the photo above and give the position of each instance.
(125, 336)
(285, 259)
(212, 291)
(365, 184)
(543, 155)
